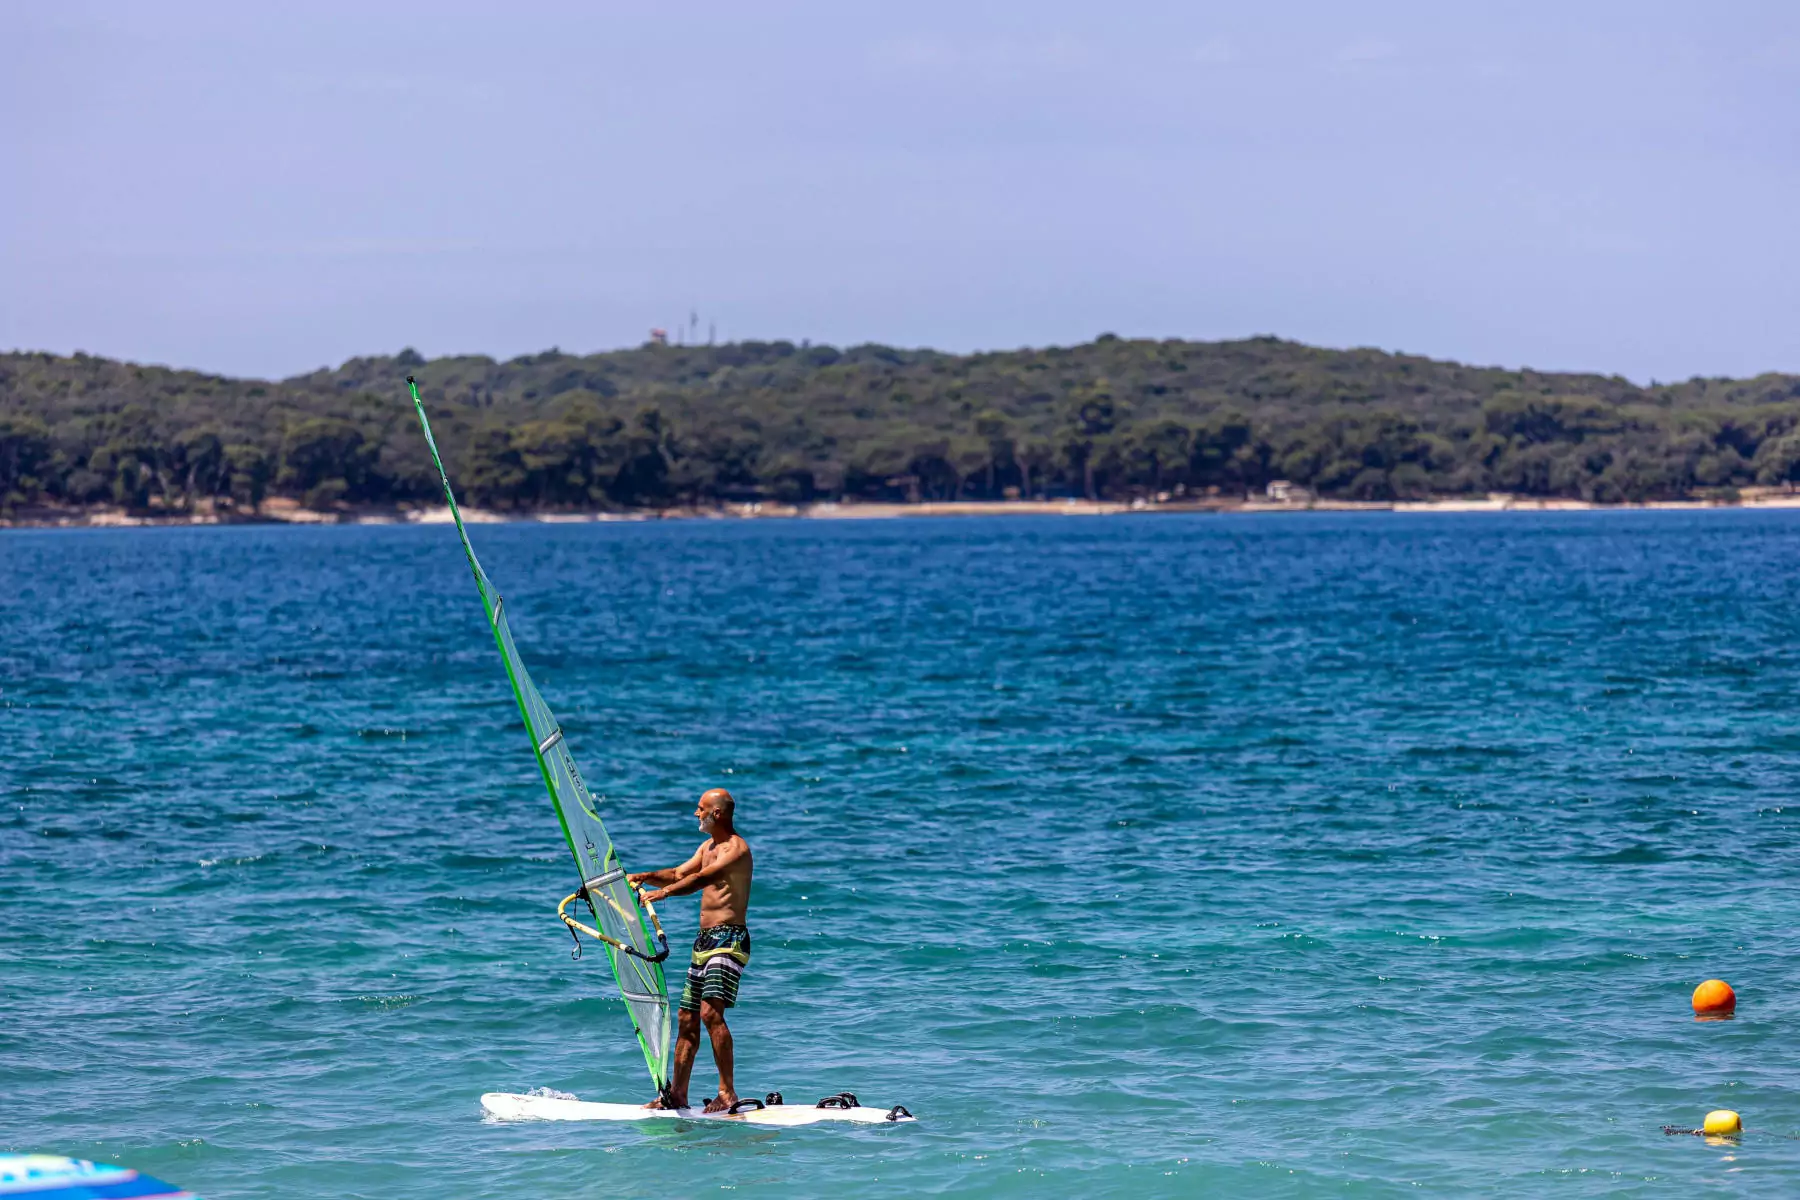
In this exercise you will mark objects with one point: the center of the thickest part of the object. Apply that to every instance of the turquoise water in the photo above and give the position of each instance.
(1167, 856)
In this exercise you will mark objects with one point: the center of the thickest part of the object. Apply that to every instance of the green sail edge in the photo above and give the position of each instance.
(642, 985)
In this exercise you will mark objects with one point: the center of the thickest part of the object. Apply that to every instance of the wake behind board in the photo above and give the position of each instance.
(510, 1106)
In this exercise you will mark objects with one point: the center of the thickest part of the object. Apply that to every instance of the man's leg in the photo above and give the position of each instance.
(687, 1044)
(713, 1013)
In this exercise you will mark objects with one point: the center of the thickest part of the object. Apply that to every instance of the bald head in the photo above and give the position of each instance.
(715, 810)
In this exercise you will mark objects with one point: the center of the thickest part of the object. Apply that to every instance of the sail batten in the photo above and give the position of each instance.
(631, 944)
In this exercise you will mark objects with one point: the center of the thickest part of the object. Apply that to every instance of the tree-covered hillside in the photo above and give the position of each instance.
(665, 425)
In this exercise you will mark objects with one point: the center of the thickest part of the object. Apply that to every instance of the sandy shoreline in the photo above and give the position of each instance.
(288, 512)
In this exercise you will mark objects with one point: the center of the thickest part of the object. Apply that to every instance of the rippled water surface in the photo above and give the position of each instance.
(1162, 856)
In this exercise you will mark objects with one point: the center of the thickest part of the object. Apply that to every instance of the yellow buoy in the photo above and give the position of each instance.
(1722, 1120)
(1714, 998)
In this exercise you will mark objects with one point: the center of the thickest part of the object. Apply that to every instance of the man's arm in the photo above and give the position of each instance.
(691, 878)
(667, 874)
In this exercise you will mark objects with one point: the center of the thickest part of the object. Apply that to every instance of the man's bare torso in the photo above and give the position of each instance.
(726, 900)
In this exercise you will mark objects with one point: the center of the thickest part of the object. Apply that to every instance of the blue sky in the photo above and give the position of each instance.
(253, 190)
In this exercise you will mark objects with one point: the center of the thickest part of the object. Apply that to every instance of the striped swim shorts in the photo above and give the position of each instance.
(721, 953)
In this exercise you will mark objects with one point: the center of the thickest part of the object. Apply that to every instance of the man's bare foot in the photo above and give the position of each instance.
(680, 1102)
(721, 1102)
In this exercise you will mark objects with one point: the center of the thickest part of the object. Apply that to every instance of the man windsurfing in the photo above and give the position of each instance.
(721, 866)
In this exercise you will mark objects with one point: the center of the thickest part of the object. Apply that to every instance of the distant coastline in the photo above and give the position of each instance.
(289, 512)
(775, 428)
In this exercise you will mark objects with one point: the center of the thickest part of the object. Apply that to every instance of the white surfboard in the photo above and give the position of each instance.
(510, 1106)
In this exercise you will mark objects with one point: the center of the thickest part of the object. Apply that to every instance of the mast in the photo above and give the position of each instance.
(624, 923)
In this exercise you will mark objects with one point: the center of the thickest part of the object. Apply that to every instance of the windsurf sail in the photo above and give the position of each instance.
(626, 923)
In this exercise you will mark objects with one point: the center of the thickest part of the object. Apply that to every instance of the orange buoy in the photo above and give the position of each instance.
(1714, 998)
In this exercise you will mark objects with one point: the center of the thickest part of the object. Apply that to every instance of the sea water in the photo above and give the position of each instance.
(1286, 855)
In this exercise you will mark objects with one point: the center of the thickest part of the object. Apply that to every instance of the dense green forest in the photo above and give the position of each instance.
(668, 425)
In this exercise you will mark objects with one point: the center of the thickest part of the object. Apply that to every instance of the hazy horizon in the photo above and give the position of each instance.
(261, 193)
